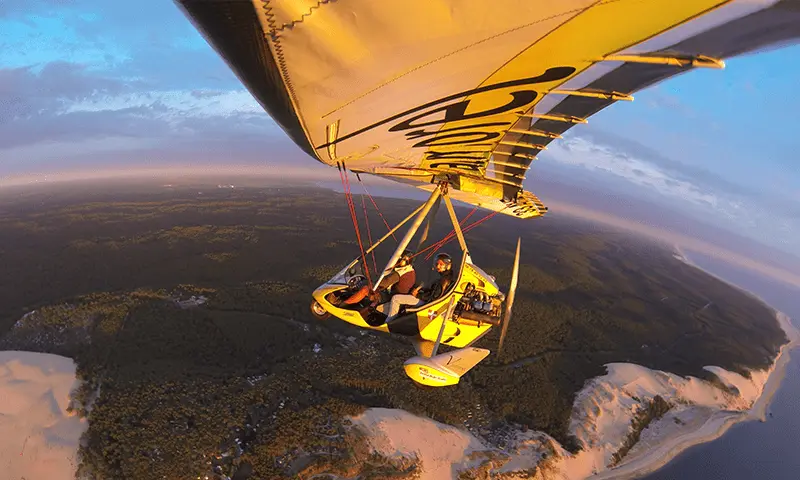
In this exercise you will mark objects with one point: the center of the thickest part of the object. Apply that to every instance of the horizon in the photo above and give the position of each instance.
(387, 189)
(100, 87)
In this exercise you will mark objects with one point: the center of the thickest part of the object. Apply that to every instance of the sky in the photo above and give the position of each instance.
(94, 84)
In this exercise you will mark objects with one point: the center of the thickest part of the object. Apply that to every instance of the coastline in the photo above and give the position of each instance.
(759, 409)
(717, 425)
(719, 422)
(444, 449)
(703, 419)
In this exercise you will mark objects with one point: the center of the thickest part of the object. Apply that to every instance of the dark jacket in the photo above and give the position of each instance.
(439, 287)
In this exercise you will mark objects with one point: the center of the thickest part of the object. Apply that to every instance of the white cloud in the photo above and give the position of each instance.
(175, 103)
(747, 214)
(581, 152)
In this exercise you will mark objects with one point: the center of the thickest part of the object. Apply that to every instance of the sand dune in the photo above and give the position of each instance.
(38, 437)
(601, 420)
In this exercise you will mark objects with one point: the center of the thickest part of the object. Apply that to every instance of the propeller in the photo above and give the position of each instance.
(512, 288)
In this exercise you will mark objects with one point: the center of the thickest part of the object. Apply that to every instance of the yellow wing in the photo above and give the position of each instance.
(467, 90)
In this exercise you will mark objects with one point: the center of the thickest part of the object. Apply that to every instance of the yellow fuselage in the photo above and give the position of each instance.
(429, 317)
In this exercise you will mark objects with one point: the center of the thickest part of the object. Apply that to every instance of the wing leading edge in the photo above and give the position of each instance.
(469, 91)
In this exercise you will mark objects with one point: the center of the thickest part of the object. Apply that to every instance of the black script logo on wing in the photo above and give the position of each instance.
(447, 110)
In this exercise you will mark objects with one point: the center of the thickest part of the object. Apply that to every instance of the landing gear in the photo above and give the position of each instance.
(319, 311)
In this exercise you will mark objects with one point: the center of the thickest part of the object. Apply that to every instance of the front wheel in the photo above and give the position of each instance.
(319, 311)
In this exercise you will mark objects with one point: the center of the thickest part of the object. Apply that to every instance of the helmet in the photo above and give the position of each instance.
(406, 257)
(444, 258)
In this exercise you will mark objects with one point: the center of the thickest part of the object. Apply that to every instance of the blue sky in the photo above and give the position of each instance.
(105, 84)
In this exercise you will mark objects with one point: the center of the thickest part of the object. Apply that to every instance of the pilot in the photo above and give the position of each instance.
(443, 264)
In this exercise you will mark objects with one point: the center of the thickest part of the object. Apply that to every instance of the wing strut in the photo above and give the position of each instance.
(445, 318)
(436, 246)
(465, 230)
(390, 233)
(456, 226)
(428, 223)
(410, 233)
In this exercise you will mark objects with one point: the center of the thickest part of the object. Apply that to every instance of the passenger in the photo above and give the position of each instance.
(400, 281)
(402, 278)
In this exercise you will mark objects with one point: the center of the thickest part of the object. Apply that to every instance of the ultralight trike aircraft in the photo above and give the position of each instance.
(422, 92)
(466, 311)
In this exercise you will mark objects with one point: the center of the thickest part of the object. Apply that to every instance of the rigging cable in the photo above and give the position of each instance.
(375, 205)
(452, 233)
(369, 234)
(351, 205)
(464, 231)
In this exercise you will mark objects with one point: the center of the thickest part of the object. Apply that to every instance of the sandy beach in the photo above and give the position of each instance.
(716, 425)
(38, 438)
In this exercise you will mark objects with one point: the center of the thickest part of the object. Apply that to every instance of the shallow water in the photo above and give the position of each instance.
(751, 450)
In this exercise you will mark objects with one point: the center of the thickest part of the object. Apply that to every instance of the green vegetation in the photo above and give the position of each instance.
(169, 391)
(654, 410)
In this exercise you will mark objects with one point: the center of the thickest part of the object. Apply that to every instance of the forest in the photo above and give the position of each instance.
(249, 385)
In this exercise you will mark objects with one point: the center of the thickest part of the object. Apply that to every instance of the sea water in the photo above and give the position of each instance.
(767, 450)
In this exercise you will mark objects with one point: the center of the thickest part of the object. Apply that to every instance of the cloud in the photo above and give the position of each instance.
(579, 151)
(35, 107)
(65, 112)
(678, 168)
(14, 7)
(57, 81)
(96, 74)
(766, 216)
(148, 39)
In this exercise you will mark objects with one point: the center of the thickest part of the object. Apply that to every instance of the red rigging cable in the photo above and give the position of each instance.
(351, 206)
(353, 215)
(450, 235)
(369, 234)
(466, 229)
(441, 242)
(375, 205)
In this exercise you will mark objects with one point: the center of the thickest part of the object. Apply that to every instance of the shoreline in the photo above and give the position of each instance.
(706, 418)
(719, 422)
(447, 450)
(716, 426)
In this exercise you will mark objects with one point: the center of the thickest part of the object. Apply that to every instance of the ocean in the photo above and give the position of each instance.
(767, 450)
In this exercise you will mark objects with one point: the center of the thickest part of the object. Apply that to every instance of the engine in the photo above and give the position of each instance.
(479, 307)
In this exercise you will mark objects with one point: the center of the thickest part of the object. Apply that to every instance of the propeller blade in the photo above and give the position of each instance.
(512, 288)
